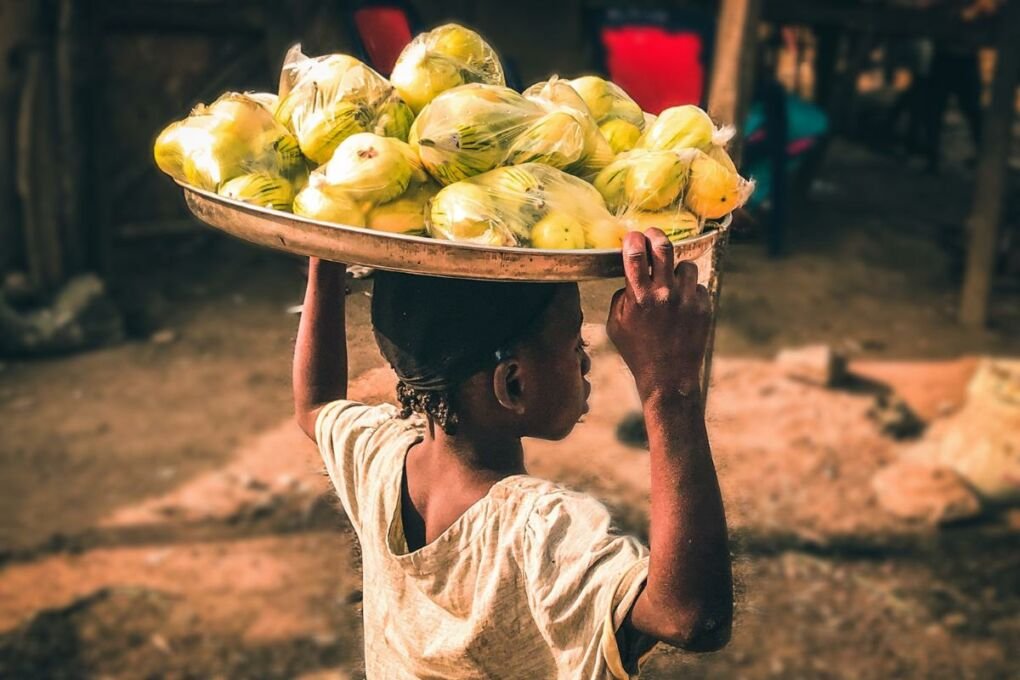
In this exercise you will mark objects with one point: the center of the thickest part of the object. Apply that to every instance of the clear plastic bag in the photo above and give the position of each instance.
(676, 191)
(371, 181)
(233, 136)
(326, 99)
(442, 59)
(524, 205)
(475, 128)
(684, 127)
(617, 116)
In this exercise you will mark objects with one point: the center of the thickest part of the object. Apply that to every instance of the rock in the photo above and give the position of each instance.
(818, 365)
(933, 493)
(894, 417)
(163, 337)
(80, 316)
(980, 440)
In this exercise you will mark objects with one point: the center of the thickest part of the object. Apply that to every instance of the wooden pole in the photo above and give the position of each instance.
(72, 127)
(730, 89)
(14, 26)
(990, 180)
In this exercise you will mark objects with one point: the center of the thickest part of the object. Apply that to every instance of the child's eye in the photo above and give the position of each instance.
(582, 345)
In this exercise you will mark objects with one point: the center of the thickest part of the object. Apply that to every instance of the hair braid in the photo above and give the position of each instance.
(436, 406)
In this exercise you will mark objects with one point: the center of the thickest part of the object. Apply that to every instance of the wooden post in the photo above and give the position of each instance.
(72, 133)
(14, 26)
(990, 184)
(730, 89)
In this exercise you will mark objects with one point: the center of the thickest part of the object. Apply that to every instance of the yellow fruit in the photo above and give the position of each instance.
(555, 139)
(321, 131)
(394, 119)
(718, 154)
(611, 181)
(456, 42)
(232, 136)
(311, 83)
(512, 181)
(625, 108)
(260, 188)
(621, 135)
(168, 150)
(242, 115)
(319, 203)
(214, 155)
(440, 60)
(468, 212)
(401, 216)
(712, 189)
(679, 127)
(420, 78)
(370, 168)
(558, 231)
(677, 224)
(555, 93)
(596, 93)
(654, 181)
(466, 131)
(604, 233)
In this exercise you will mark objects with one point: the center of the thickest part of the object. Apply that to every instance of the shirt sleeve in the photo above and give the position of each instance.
(583, 579)
(346, 432)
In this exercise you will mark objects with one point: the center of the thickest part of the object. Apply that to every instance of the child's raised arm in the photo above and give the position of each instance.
(320, 354)
(659, 323)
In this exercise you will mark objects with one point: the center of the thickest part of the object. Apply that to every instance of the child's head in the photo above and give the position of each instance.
(487, 357)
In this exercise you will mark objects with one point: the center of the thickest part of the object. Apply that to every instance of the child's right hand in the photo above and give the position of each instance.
(660, 321)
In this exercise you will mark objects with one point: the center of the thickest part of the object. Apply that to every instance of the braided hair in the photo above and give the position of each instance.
(436, 406)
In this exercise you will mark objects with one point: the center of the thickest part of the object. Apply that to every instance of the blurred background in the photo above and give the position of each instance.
(161, 516)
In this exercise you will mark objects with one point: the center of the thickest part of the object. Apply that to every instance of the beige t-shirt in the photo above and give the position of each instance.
(530, 582)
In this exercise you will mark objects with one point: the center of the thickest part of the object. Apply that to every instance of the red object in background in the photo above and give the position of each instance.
(659, 68)
(384, 31)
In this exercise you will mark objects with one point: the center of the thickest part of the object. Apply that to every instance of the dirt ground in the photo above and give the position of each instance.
(163, 518)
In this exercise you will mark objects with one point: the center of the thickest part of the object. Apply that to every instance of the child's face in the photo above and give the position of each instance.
(554, 364)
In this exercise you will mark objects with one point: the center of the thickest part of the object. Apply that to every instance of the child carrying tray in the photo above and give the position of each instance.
(472, 567)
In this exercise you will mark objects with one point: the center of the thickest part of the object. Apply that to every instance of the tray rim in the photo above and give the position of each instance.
(306, 236)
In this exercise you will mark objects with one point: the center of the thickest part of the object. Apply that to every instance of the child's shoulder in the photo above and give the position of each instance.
(546, 504)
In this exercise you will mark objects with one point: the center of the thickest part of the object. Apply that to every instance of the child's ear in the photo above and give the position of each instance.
(508, 386)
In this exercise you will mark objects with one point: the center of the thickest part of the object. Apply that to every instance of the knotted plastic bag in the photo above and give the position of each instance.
(326, 99)
(442, 59)
(475, 128)
(532, 205)
(233, 136)
(371, 181)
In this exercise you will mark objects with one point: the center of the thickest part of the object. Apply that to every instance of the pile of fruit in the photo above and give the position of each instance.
(445, 149)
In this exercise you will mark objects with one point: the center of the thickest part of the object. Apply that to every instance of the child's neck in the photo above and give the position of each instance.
(478, 452)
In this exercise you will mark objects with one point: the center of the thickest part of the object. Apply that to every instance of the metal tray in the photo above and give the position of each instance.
(416, 254)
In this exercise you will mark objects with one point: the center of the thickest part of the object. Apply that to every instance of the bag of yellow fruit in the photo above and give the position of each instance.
(442, 59)
(617, 116)
(233, 136)
(326, 99)
(529, 205)
(684, 127)
(469, 130)
(475, 128)
(567, 126)
(676, 191)
(370, 181)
